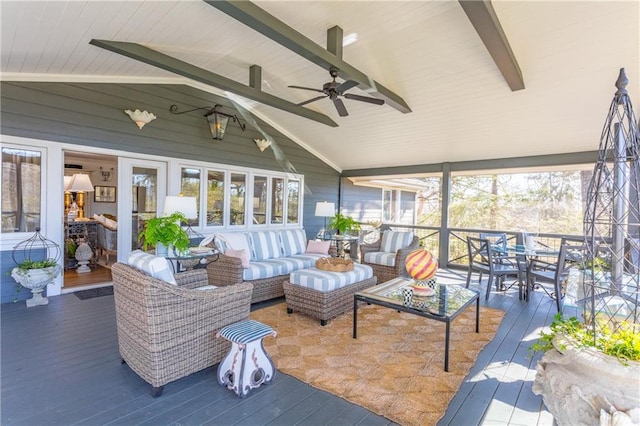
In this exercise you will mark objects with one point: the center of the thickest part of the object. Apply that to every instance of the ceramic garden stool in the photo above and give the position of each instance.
(247, 365)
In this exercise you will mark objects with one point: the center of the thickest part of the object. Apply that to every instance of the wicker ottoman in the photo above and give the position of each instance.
(325, 295)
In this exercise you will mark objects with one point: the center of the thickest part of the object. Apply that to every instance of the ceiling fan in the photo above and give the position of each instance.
(332, 90)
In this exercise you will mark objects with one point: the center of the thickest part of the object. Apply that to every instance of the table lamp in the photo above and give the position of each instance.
(325, 209)
(80, 183)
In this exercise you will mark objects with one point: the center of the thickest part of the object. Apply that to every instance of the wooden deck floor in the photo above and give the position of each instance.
(60, 366)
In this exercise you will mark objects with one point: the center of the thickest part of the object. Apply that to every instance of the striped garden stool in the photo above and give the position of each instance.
(240, 372)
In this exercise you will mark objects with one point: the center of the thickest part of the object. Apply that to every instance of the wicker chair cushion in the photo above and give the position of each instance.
(325, 281)
(380, 258)
(155, 266)
(392, 241)
(293, 241)
(265, 244)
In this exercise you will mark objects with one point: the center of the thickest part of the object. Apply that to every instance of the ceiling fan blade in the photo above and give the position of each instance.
(342, 111)
(311, 100)
(346, 86)
(307, 88)
(364, 99)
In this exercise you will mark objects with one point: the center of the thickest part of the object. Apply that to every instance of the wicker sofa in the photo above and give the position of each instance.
(272, 256)
(166, 331)
(387, 255)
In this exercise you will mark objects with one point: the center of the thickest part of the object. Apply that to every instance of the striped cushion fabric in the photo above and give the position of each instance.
(392, 241)
(295, 262)
(380, 258)
(294, 241)
(157, 267)
(325, 281)
(262, 269)
(246, 331)
(265, 245)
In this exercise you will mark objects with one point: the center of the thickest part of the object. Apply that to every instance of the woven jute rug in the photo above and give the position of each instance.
(394, 368)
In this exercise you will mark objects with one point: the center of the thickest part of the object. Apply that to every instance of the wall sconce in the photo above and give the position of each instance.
(107, 175)
(262, 144)
(217, 120)
(140, 117)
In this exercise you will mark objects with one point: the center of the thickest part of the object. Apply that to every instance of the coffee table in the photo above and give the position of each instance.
(447, 303)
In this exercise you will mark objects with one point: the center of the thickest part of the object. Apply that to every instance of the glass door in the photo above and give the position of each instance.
(147, 183)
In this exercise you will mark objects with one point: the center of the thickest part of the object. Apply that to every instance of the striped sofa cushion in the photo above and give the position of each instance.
(380, 258)
(392, 241)
(298, 261)
(326, 281)
(293, 241)
(262, 269)
(265, 245)
(155, 266)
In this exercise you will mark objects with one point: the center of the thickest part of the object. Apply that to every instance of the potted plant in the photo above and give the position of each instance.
(578, 356)
(165, 233)
(344, 224)
(36, 275)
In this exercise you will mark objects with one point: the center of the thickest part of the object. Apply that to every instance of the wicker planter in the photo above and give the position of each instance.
(36, 280)
(583, 386)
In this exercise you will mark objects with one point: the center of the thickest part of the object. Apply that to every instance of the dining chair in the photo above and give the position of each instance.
(540, 272)
(483, 260)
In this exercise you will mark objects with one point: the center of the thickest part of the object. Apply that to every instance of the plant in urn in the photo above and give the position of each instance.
(422, 267)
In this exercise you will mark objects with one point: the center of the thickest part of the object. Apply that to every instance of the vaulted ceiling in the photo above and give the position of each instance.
(427, 53)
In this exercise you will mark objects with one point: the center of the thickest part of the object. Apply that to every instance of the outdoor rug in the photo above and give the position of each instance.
(94, 292)
(394, 368)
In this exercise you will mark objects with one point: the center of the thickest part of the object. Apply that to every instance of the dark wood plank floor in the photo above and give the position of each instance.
(60, 366)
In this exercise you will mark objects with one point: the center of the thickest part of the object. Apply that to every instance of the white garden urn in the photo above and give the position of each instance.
(36, 280)
(583, 386)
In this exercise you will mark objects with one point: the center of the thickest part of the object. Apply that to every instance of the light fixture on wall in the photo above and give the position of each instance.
(217, 120)
(80, 183)
(262, 144)
(140, 117)
(325, 209)
(106, 175)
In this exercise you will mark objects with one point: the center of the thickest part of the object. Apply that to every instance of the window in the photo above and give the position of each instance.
(293, 205)
(237, 195)
(260, 200)
(215, 198)
(277, 200)
(190, 187)
(21, 190)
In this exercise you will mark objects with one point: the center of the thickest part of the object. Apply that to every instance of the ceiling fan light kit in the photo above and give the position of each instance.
(333, 90)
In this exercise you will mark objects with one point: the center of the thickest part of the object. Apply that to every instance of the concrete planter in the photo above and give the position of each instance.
(36, 280)
(582, 386)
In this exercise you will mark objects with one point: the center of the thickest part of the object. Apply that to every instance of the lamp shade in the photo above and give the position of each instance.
(80, 183)
(325, 209)
(67, 182)
(185, 205)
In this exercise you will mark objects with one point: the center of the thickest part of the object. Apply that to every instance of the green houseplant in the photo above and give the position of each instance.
(344, 224)
(166, 231)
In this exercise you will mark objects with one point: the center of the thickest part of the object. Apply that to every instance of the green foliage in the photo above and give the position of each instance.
(344, 224)
(37, 264)
(623, 343)
(166, 230)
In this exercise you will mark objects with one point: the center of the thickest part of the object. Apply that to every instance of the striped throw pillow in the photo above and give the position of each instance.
(155, 266)
(392, 241)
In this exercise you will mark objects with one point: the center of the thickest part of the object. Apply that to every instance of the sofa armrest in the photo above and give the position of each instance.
(192, 279)
(225, 271)
(368, 248)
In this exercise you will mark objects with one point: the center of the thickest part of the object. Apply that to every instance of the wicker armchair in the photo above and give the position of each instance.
(166, 332)
(107, 241)
(386, 272)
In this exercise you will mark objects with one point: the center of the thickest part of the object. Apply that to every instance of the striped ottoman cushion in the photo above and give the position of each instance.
(325, 281)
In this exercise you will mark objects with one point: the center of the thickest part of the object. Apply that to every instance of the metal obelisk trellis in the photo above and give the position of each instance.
(612, 219)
